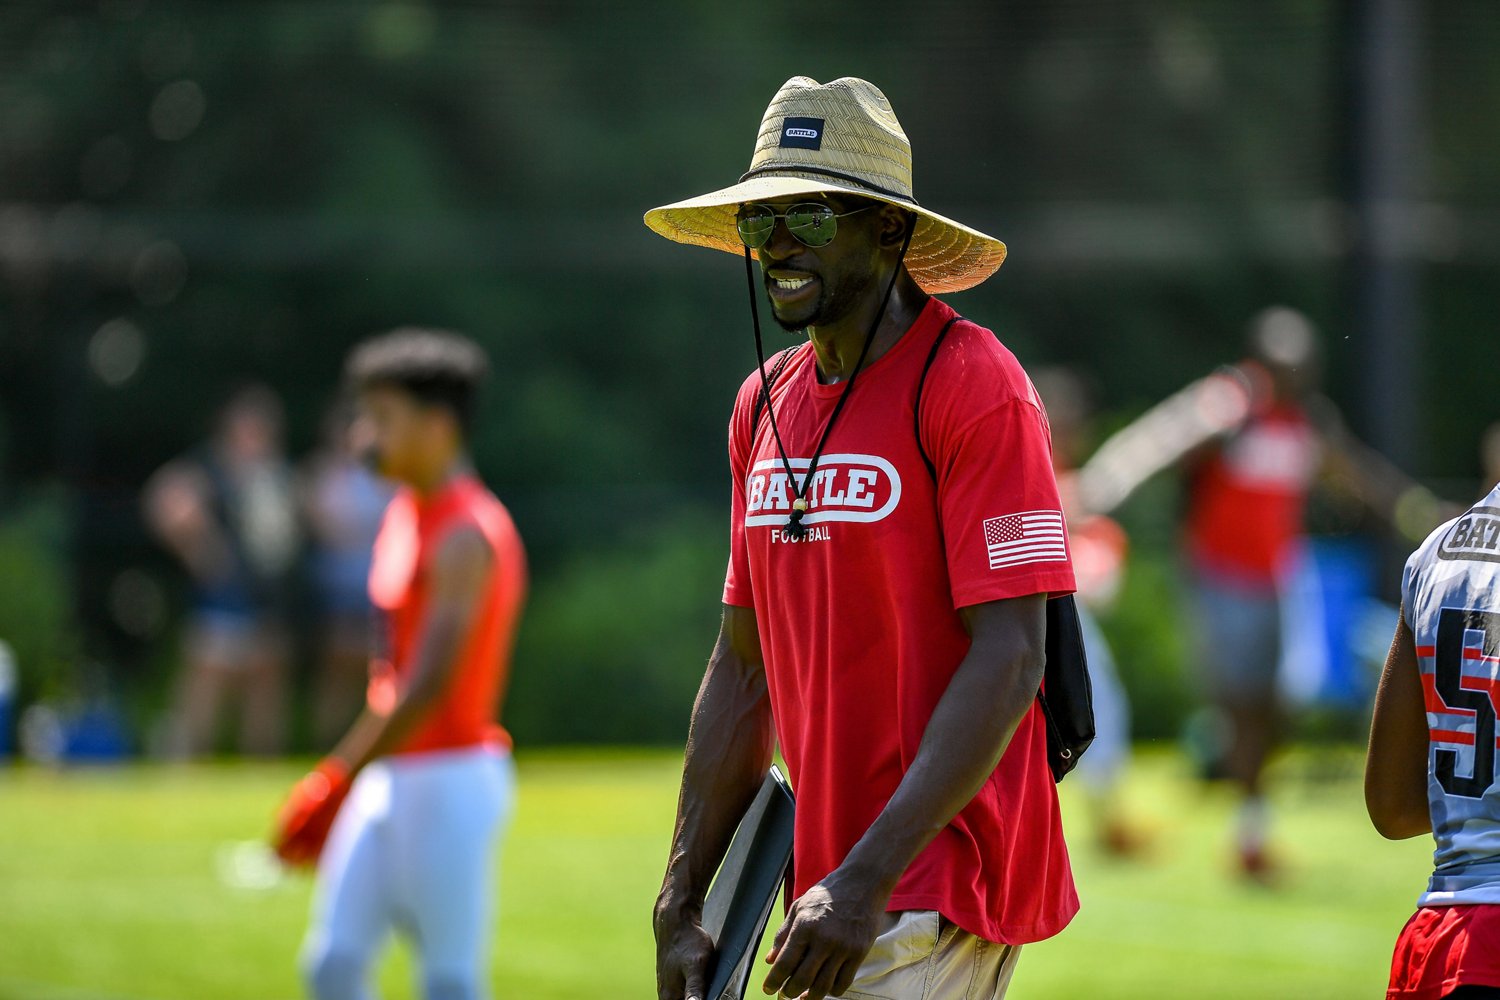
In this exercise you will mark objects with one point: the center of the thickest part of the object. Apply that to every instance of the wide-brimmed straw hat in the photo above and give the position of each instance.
(838, 137)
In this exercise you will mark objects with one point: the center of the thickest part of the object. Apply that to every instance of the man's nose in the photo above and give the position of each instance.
(781, 244)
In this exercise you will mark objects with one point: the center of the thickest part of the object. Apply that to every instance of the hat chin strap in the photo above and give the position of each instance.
(794, 526)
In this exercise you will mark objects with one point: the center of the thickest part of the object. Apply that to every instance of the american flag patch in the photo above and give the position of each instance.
(1032, 536)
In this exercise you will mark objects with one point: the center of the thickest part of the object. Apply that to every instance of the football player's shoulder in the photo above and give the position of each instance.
(1426, 556)
(487, 513)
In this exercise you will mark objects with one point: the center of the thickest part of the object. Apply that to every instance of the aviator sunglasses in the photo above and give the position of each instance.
(811, 223)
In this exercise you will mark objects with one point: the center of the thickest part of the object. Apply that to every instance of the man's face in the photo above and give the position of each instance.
(396, 433)
(817, 286)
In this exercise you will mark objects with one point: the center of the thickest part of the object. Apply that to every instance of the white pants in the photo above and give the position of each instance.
(412, 850)
(920, 956)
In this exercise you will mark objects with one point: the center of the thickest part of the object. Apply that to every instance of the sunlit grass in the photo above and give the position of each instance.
(112, 886)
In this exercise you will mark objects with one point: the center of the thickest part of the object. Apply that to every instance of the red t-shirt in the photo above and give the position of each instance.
(400, 583)
(858, 621)
(1246, 501)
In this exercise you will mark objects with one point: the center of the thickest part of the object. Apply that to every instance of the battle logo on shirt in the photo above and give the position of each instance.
(846, 487)
(1476, 535)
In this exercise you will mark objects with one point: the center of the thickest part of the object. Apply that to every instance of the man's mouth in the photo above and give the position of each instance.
(785, 286)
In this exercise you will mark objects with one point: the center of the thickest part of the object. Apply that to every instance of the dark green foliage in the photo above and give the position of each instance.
(257, 186)
(614, 643)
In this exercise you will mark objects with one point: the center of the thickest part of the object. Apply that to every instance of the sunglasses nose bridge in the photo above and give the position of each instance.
(781, 241)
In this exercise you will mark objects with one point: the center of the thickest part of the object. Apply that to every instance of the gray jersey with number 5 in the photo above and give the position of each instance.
(1451, 598)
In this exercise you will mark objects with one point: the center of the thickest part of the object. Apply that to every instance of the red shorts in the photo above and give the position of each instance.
(1444, 947)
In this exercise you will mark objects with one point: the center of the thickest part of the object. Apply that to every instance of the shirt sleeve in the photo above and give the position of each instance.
(737, 589)
(998, 502)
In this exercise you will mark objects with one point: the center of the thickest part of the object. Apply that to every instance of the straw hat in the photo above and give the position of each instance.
(838, 137)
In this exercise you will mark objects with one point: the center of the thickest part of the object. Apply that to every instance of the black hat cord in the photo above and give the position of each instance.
(794, 525)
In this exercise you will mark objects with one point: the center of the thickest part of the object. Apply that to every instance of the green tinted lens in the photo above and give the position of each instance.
(755, 223)
(812, 223)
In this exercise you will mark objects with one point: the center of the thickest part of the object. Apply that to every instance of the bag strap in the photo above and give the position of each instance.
(916, 409)
(1049, 718)
(779, 363)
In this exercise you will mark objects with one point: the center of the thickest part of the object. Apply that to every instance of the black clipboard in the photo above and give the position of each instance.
(739, 903)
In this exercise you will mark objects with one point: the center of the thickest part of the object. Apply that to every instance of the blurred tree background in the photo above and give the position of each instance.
(192, 195)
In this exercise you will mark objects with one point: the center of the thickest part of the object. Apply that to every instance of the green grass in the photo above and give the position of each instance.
(110, 888)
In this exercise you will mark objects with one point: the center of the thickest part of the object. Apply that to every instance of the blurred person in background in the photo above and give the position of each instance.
(1254, 439)
(411, 800)
(1099, 549)
(1431, 760)
(228, 512)
(342, 503)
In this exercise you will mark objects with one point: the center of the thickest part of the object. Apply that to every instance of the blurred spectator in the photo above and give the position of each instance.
(1254, 438)
(1099, 547)
(343, 503)
(227, 511)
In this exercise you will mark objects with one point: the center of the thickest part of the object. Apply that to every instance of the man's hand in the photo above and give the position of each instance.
(825, 938)
(683, 949)
(728, 751)
(306, 817)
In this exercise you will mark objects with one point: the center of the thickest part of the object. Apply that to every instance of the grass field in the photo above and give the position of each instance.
(112, 887)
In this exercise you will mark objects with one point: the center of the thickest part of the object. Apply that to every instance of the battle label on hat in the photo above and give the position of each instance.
(802, 133)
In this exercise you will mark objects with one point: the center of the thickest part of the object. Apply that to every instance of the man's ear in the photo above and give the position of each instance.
(893, 224)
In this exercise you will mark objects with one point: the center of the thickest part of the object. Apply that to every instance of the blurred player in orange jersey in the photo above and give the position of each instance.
(411, 799)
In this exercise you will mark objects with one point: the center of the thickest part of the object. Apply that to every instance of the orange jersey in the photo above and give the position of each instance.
(400, 584)
(1246, 502)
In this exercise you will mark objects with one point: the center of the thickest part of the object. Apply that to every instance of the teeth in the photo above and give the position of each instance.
(791, 284)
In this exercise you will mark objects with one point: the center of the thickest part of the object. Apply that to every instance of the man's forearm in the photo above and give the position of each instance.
(374, 735)
(728, 750)
(968, 733)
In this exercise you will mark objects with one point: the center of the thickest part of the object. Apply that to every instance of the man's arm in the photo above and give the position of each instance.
(728, 751)
(1396, 767)
(176, 506)
(1356, 470)
(830, 928)
(460, 573)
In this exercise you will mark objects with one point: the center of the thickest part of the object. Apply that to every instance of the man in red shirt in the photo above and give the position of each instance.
(884, 602)
(426, 769)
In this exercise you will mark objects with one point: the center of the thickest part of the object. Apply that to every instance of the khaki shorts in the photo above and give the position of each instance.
(919, 955)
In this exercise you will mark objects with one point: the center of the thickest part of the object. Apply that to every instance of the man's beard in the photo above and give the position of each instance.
(827, 308)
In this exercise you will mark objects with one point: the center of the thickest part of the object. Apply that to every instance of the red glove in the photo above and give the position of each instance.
(307, 815)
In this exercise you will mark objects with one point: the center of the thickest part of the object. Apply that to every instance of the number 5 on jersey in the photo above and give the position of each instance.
(1452, 651)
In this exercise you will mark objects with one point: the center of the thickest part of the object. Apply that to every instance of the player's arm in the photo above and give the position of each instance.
(459, 575)
(459, 572)
(728, 750)
(1180, 429)
(831, 928)
(1396, 768)
(1354, 469)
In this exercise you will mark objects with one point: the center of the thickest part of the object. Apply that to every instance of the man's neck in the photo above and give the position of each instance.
(838, 345)
(434, 480)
